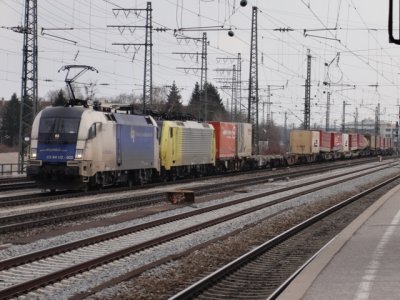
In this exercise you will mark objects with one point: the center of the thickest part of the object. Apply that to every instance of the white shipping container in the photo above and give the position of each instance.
(243, 139)
(345, 143)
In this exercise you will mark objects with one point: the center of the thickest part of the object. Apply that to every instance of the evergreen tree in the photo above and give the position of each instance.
(174, 103)
(215, 108)
(194, 102)
(10, 124)
(60, 99)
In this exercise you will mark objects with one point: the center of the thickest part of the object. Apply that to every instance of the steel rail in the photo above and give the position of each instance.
(52, 216)
(202, 285)
(17, 289)
(48, 196)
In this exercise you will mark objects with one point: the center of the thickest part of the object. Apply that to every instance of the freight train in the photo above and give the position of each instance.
(81, 148)
(308, 145)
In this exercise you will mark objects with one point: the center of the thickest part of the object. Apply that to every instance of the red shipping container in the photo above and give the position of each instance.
(337, 141)
(353, 141)
(325, 140)
(330, 141)
(225, 137)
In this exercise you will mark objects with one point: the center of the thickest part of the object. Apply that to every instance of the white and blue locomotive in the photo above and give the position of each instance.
(76, 148)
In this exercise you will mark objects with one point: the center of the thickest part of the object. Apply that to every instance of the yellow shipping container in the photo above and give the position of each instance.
(304, 142)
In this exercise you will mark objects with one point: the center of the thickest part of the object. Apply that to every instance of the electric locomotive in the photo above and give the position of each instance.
(76, 148)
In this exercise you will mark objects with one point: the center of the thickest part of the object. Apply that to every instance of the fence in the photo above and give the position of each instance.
(12, 169)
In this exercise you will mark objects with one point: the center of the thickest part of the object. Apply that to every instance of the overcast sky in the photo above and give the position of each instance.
(365, 71)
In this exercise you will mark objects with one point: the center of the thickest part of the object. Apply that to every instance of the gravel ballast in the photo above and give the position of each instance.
(91, 279)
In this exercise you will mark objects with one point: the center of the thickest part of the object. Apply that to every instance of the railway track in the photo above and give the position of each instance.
(267, 270)
(12, 179)
(292, 172)
(71, 262)
(278, 174)
(57, 215)
(18, 183)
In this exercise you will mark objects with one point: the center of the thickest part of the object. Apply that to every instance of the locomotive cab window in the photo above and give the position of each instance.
(58, 130)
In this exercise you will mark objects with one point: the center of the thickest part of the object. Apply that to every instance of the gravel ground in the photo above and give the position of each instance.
(165, 281)
(73, 236)
(6, 239)
(92, 278)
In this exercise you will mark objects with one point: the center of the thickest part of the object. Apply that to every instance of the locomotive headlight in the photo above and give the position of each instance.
(79, 154)
(33, 153)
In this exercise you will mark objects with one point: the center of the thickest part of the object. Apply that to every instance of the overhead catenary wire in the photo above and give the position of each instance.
(286, 65)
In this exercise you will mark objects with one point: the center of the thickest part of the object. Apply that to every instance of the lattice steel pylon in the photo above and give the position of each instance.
(239, 82)
(234, 102)
(252, 115)
(307, 98)
(29, 88)
(237, 88)
(148, 60)
(203, 76)
(203, 80)
(148, 44)
(328, 110)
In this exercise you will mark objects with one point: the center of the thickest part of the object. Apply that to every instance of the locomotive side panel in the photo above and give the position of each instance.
(197, 143)
(95, 145)
(99, 155)
(136, 143)
(186, 144)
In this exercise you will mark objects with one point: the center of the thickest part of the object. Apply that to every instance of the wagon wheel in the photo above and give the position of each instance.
(130, 182)
(86, 187)
(173, 177)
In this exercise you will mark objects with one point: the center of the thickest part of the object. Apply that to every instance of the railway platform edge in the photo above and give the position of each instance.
(357, 263)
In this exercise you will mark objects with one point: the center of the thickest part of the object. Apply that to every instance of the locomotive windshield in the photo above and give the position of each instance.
(58, 130)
